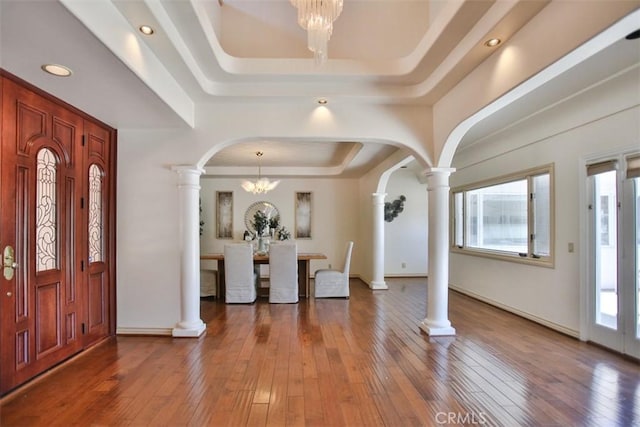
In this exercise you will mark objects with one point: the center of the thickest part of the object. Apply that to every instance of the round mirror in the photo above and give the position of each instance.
(268, 208)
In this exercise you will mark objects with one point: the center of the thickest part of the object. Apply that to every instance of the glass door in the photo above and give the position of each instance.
(614, 254)
(631, 263)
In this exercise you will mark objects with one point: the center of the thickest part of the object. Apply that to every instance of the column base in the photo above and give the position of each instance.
(189, 331)
(378, 285)
(435, 330)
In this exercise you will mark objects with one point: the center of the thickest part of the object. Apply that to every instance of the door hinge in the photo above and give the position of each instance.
(82, 265)
(531, 196)
(81, 202)
(84, 140)
(84, 329)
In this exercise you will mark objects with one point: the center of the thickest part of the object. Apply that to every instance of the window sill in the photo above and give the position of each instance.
(546, 262)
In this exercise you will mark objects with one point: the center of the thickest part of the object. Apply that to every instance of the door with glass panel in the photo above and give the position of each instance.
(613, 258)
(54, 297)
(98, 228)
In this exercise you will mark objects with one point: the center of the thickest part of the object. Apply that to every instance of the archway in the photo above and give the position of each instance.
(189, 187)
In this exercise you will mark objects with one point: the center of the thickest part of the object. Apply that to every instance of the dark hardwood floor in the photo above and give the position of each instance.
(335, 362)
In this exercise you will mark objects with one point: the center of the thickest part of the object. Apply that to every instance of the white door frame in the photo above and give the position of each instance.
(624, 339)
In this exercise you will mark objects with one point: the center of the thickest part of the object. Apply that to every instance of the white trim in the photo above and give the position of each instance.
(407, 275)
(524, 314)
(144, 331)
(377, 286)
(584, 244)
(434, 331)
(588, 329)
(528, 175)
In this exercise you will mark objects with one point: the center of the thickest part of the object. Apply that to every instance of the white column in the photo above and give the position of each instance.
(437, 321)
(378, 242)
(190, 324)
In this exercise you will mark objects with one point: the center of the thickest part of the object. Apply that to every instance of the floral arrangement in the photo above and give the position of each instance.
(284, 234)
(274, 222)
(260, 222)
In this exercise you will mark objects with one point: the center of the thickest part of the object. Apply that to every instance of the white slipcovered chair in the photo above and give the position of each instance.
(239, 274)
(283, 273)
(334, 283)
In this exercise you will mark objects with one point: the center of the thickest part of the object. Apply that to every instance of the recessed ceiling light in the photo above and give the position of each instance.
(56, 70)
(146, 30)
(492, 42)
(322, 101)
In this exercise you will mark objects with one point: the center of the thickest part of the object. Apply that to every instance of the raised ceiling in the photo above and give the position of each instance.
(381, 50)
(229, 51)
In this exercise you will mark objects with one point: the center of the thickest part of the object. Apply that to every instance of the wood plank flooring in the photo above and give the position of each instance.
(336, 362)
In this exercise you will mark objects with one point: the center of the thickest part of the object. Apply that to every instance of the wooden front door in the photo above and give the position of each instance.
(97, 229)
(55, 284)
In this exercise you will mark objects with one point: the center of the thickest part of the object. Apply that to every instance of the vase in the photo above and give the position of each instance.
(261, 245)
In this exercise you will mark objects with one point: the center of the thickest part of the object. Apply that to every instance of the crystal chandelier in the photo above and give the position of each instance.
(262, 185)
(317, 16)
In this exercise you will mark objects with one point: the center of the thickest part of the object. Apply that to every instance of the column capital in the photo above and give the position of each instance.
(438, 177)
(188, 175)
(439, 171)
(378, 198)
(187, 170)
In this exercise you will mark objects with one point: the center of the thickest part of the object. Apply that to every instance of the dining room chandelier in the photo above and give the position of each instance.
(261, 185)
(317, 17)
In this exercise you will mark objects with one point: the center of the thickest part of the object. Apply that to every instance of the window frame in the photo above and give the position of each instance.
(531, 258)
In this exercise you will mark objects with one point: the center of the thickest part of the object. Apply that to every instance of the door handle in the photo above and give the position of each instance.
(9, 262)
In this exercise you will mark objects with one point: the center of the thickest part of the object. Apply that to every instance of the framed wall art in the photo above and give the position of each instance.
(303, 215)
(224, 214)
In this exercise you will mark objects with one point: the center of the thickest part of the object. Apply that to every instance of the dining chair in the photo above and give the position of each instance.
(334, 283)
(239, 274)
(283, 273)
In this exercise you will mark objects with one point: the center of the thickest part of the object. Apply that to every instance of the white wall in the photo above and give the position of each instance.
(546, 38)
(335, 213)
(406, 235)
(601, 120)
(337, 217)
(148, 257)
(148, 245)
(148, 273)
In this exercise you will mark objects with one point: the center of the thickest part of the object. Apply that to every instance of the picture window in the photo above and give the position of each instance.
(508, 217)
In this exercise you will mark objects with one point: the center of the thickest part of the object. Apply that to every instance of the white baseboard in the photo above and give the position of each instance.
(528, 316)
(144, 331)
(410, 275)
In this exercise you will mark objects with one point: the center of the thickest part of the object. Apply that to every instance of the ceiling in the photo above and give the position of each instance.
(228, 51)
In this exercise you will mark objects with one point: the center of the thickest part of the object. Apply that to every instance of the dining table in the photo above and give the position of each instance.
(304, 271)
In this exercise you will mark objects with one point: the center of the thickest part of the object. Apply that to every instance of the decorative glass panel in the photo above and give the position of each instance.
(46, 217)
(95, 214)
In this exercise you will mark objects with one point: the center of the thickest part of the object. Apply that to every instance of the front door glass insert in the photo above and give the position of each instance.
(46, 213)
